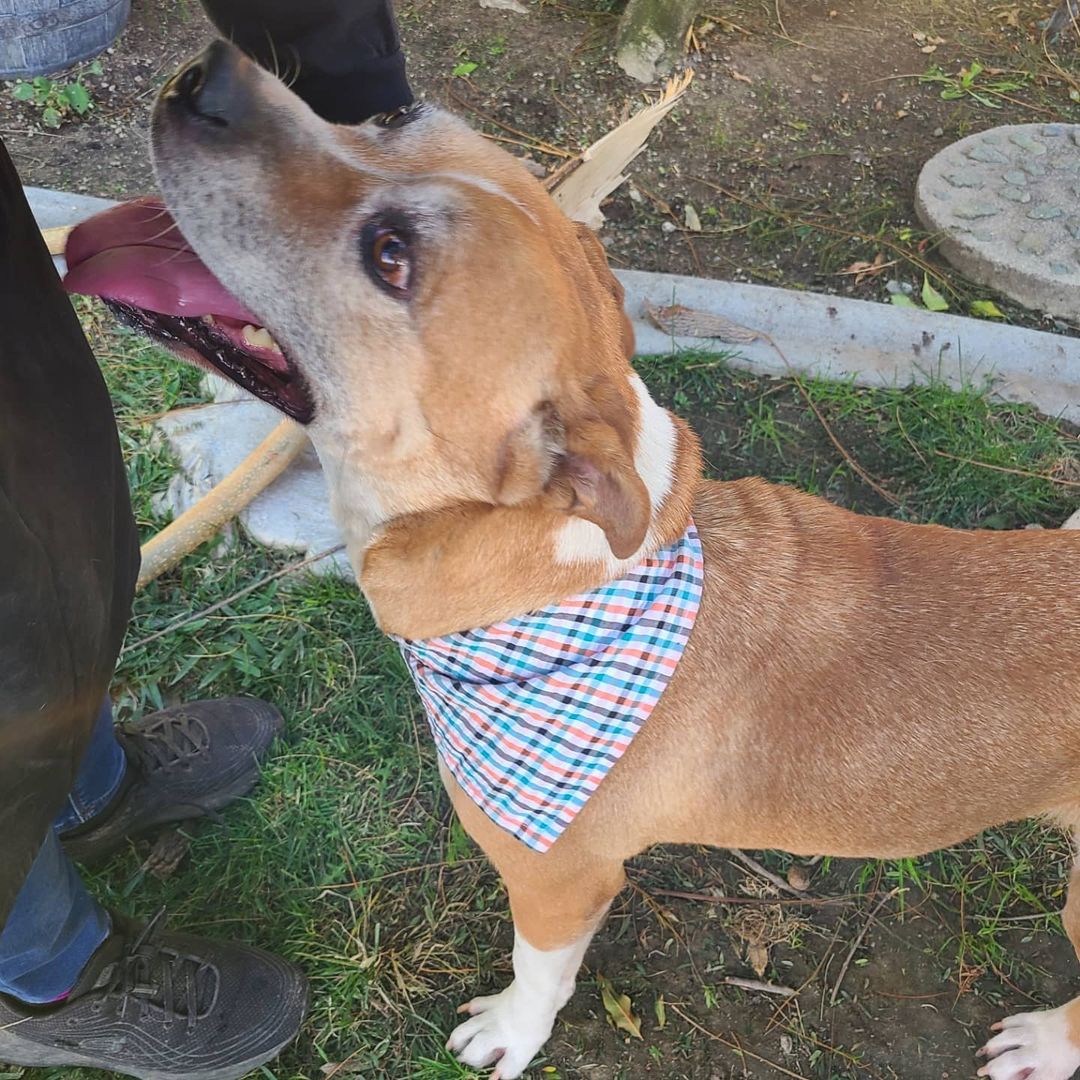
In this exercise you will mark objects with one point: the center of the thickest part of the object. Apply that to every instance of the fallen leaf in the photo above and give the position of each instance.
(817, 78)
(902, 300)
(740, 77)
(619, 1008)
(680, 321)
(758, 958)
(845, 97)
(862, 269)
(690, 216)
(928, 49)
(901, 113)
(986, 309)
(661, 1013)
(879, 104)
(933, 300)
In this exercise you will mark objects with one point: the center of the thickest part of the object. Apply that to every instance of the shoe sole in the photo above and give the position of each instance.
(11, 1045)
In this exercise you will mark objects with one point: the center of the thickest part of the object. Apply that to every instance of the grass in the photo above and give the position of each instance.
(347, 858)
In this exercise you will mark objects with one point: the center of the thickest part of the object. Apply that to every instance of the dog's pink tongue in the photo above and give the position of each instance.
(135, 254)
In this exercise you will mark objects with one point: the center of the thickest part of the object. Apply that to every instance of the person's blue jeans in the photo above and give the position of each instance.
(56, 926)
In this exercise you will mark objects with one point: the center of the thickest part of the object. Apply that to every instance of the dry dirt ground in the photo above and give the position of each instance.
(797, 146)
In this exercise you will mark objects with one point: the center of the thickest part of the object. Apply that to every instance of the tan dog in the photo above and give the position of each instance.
(853, 686)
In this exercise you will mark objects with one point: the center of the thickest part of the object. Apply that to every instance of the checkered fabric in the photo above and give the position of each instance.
(529, 715)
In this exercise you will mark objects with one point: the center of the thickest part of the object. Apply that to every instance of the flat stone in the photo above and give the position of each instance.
(1033, 243)
(1025, 243)
(208, 442)
(988, 155)
(968, 180)
(1014, 194)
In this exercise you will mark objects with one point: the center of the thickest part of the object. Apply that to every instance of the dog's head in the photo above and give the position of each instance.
(447, 333)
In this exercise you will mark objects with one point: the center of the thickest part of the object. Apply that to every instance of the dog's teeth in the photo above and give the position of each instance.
(208, 319)
(258, 337)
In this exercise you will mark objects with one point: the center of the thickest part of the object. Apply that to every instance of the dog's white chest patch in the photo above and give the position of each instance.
(529, 715)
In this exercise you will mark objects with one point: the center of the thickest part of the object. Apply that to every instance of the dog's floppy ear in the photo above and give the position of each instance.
(579, 456)
(594, 476)
(597, 478)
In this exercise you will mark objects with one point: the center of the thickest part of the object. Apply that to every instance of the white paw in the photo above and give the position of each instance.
(503, 1030)
(1032, 1046)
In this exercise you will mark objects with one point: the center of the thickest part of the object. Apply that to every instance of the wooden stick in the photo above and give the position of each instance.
(735, 1046)
(761, 987)
(856, 943)
(56, 238)
(200, 522)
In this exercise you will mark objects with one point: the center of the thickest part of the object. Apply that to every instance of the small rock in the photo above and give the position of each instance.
(798, 878)
(987, 154)
(1015, 194)
(668, 227)
(1033, 243)
(938, 132)
(1027, 142)
(963, 180)
(971, 211)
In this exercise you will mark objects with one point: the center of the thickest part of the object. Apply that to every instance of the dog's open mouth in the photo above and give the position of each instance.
(135, 258)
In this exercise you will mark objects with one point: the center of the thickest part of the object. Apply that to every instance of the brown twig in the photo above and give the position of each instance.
(822, 225)
(888, 496)
(768, 875)
(761, 987)
(856, 943)
(734, 1046)
(533, 141)
(709, 898)
(1012, 472)
(179, 624)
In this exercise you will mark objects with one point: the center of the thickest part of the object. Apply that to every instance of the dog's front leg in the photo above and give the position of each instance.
(558, 899)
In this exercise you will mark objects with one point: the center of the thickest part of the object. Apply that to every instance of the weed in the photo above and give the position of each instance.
(57, 100)
(969, 82)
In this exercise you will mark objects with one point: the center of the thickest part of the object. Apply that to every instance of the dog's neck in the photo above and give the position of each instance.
(475, 564)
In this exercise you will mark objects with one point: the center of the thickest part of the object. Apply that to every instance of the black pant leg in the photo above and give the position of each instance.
(345, 55)
(68, 547)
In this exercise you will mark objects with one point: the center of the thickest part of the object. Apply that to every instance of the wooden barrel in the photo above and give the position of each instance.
(40, 36)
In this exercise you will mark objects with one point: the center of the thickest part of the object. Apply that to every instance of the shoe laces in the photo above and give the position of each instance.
(150, 976)
(168, 743)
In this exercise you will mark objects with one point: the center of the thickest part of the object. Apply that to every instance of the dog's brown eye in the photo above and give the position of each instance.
(390, 259)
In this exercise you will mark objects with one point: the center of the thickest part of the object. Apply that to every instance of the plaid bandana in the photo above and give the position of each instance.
(529, 715)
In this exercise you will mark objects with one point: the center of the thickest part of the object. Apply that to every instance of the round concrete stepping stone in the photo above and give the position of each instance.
(1007, 204)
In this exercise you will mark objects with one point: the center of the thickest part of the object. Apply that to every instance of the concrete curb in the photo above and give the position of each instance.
(873, 344)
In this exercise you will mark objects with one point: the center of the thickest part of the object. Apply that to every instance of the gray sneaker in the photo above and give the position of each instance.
(163, 1006)
(185, 762)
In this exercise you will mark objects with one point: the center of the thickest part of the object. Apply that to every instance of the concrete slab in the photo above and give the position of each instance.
(1006, 204)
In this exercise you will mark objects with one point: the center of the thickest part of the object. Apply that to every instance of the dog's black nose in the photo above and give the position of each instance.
(208, 86)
